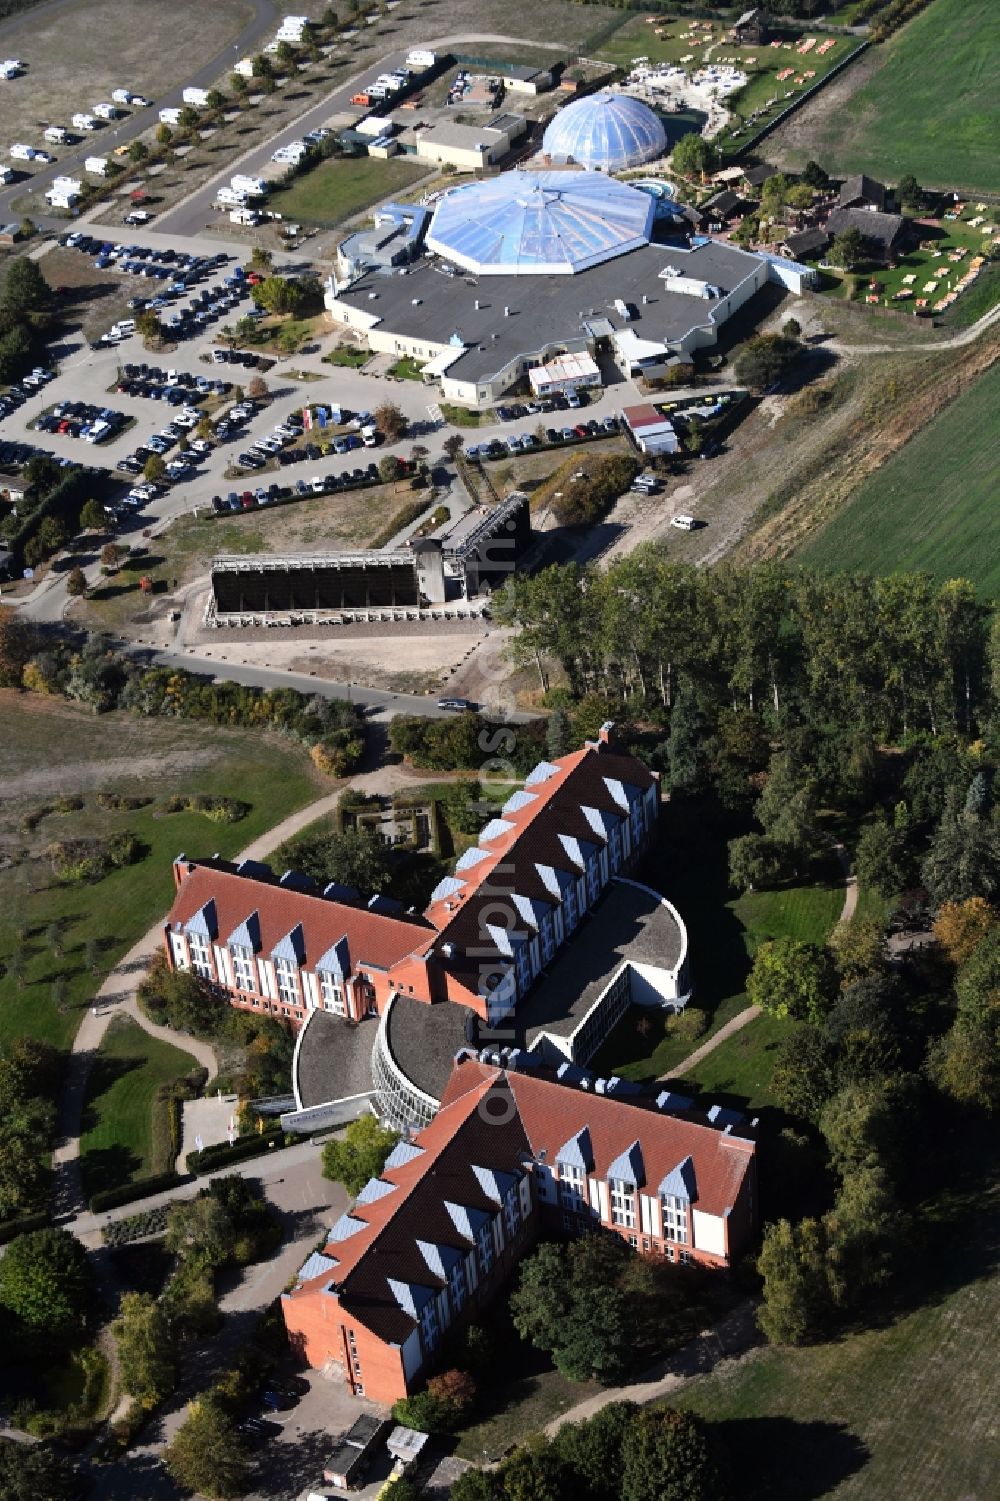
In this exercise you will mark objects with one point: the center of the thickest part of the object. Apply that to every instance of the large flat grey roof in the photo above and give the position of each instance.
(427, 303)
(630, 923)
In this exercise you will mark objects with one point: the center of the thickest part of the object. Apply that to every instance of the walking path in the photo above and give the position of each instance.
(732, 1337)
(116, 996)
(743, 1018)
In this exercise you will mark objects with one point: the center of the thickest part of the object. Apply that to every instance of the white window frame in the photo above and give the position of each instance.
(286, 977)
(244, 968)
(331, 993)
(201, 955)
(623, 1203)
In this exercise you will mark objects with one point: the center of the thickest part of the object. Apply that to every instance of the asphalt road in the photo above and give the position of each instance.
(263, 22)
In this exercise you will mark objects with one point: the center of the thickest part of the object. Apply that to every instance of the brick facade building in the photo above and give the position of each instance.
(510, 1156)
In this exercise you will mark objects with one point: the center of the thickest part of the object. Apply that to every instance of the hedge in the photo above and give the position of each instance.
(247, 1146)
(143, 1188)
(10, 1229)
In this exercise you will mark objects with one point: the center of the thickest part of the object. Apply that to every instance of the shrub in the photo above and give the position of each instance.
(688, 1024)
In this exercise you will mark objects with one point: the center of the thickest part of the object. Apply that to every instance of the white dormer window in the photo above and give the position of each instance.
(622, 1204)
(243, 968)
(286, 974)
(332, 993)
(201, 961)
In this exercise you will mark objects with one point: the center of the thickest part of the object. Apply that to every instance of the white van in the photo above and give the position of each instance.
(683, 523)
(124, 327)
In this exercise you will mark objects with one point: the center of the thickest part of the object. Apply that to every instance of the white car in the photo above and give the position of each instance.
(683, 523)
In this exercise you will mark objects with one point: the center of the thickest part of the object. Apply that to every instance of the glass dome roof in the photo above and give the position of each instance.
(605, 131)
(553, 223)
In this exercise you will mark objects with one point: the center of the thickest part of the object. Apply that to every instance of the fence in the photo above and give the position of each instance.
(796, 104)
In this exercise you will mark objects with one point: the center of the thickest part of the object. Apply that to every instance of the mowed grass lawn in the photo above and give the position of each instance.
(933, 505)
(51, 749)
(336, 190)
(904, 1412)
(929, 109)
(724, 932)
(117, 1143)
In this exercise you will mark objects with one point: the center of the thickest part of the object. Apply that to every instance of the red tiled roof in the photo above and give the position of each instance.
(553, 1113)
(372, 937)
(464, 1134)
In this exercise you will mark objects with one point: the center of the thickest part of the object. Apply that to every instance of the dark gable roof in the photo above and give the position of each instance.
(498, 1121)
(724, 203)
(882, 229)
(758, 175)
(807, 242)
(579, 781)
(862, 189)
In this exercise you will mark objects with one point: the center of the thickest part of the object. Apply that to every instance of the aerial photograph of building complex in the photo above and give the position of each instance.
(500, 751)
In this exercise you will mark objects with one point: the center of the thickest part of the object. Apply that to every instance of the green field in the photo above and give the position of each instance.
(929, 108)
(337, 190)
(932, 506)
(50, 750)
(902, 1412)
(117, 1143)
(920, 280)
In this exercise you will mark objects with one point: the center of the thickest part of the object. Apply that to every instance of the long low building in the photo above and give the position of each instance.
(530, 266)
(472, 556)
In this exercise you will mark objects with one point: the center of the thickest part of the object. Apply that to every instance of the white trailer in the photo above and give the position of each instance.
(250, 187)
(170, 116)
(83, 122)
(98, 165)
(104, 111)
(22, 153)
(56, 135)
(196, 97)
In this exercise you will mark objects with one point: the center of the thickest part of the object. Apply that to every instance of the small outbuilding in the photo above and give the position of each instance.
(652, 432)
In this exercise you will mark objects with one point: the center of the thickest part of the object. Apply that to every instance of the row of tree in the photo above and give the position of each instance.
(95, 674)
(29, 1078)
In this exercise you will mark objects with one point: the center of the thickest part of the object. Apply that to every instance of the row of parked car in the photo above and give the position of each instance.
(16, 396)
(275, 494)
(559, 402)
(82, 419)
(177, 387)
(176, 431)
(15, 455)
(499, 448)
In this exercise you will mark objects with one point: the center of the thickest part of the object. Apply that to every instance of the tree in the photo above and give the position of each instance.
(800, 196)
(865, 1029)
(858, 948)
(27, 229)
(667, 1458)
(92, 516)
(146, 1348)
(965, 1063)
(359, 1154)
(111, 555)
(453, 445)
(961, 926)
(813, 175)
(693, 156)
(439, 1408)
(871, 1124)
(964, 856)
(804, 1075)
(753, 862)
(791, 328)
(276, 294)
(977, 984)
(188, 117)
(46, 1284)
(848, 249)
(148, 324)
(792, 1262)
(215, 101)
(138, 151)
(791, 979)
(390, 468)
(76, 583)
(199, 1227)
(239, 85)
(35, 1472)
(207, 1454)
(390, 420)
(257, 388)
(261, 258)
(19, 641)
(881, 859)
(357, 857)
(154, 469)
(164, 135)
(909, 192)
(764, 360)
(25, 289)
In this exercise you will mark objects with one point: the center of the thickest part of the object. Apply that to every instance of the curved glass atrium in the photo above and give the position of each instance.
(605, 132)
(535, 223)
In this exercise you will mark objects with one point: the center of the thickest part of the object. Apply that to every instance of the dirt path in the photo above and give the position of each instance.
(731, 1338)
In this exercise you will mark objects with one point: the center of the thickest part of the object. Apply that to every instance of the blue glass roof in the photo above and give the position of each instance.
(539, 223)
(606, 132)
